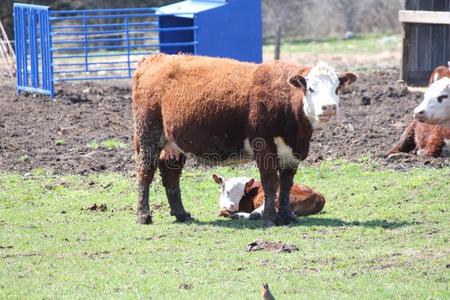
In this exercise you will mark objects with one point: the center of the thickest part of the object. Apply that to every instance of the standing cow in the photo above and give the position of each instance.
(215, 108)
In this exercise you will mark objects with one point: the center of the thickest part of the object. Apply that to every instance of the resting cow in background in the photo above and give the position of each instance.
(215, 108)
(435, 108)
(423, 135)
(243, 198)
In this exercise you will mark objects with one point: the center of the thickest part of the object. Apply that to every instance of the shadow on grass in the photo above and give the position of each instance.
(308, 222)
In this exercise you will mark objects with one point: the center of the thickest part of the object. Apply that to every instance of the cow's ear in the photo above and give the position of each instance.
(347, 79)
(249, 183)
(298, 81)
(218, 179)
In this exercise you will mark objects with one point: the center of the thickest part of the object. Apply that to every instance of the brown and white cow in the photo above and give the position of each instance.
(435, 107)
(215, 108)
(243, 198)
(421, 135)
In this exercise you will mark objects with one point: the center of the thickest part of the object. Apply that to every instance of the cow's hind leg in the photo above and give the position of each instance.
(147, 142)
(285, 214)
(170, 170)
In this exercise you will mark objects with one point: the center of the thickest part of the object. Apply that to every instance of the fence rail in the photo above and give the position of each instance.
(98, 44)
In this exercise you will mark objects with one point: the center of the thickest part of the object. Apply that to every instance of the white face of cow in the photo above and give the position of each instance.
(435, 108)
(321, 87)
(232, 191)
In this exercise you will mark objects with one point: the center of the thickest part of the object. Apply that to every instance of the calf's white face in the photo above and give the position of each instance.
(232, 191)
(435, 108)
(321, 87)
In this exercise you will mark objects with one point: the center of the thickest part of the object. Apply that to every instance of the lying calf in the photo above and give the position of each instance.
(424, 139)
(423, 135)
(435, 107)
(243, 198)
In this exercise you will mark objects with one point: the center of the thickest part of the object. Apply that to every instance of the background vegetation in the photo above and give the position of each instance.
(298, 19)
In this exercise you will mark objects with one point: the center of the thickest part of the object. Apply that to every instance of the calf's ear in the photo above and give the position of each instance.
(347, 79)
(218, 179)
(249, 183)
(298, 81)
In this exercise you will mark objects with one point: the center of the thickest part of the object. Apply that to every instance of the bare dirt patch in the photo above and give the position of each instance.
(95, 207)
(277, 247)
(88, 127)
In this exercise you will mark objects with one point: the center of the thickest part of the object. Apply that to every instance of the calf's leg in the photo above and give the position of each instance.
(170, 172)
(407, 140)
(147, 142)
(285, 214)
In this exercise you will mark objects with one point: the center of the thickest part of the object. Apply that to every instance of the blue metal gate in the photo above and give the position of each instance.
(33, 46)
(72, 45)
(105, 43)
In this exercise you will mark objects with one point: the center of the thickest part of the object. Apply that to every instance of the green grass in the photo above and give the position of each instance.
(383, 234)
(59, 142)
(108, 144)
(364, 44)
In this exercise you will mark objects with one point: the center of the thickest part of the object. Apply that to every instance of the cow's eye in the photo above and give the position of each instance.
(441, 98)
(310, 90)
(228, 193)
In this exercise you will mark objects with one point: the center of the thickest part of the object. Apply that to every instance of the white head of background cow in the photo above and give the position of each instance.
(321, 86)
(435, 108)
(232, 191)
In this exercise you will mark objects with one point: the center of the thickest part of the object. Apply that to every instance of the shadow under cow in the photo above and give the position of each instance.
(308, 222)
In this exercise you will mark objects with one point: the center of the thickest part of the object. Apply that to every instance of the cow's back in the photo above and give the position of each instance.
(190, 81)
(203, 102)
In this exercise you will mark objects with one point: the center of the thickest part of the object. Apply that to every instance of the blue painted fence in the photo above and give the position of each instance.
(98, 44)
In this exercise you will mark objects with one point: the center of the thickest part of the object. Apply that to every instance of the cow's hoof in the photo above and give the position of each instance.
(144, 218)
(183, 218)
(255, 216)
(287, 219)
(269, 223)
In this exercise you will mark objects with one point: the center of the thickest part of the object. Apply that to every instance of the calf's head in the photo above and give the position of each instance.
(321, 87)
(435, 108)
(232, 191)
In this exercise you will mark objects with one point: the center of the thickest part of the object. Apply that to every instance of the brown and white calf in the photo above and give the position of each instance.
(243, 198)
(216, 108)
(424, 139)
(435, 107)
(422, 135)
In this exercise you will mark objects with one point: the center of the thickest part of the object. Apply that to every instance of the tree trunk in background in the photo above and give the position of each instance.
(349, 13)
(278, 43)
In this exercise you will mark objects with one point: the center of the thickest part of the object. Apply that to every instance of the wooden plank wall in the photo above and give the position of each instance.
(425, 46)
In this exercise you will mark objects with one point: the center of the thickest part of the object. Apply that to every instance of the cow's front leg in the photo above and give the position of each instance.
(285, 214)
(268, 165)
(270, 185)
(267, 160)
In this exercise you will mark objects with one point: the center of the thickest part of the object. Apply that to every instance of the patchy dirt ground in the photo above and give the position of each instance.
(277, 247)
(88, 127)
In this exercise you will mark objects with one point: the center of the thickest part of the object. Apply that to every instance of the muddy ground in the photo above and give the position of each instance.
(65, 135)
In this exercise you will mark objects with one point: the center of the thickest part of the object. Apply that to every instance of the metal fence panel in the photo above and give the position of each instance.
(98, 44)
(102, 44)
(33, 49)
